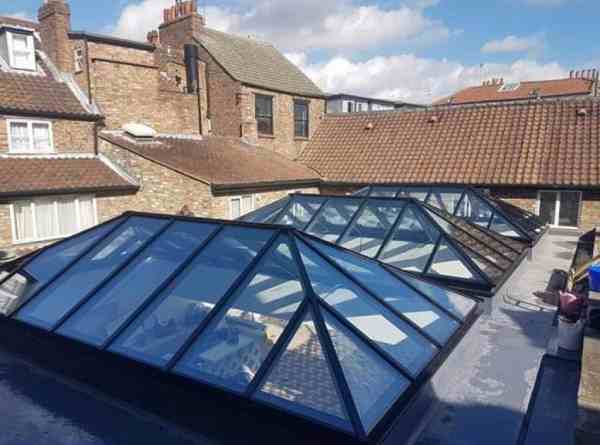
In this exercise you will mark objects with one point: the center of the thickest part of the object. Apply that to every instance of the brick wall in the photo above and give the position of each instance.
(132, 85)
(69, 136)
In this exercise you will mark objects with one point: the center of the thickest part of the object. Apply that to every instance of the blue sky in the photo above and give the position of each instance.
(416, 50)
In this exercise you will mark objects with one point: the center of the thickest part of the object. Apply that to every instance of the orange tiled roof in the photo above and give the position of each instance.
(526, 90)
(538, 143)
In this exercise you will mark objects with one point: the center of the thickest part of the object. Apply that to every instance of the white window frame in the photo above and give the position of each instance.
(32, 203)
(241, 199)
(11, 48)
(557, 208)
(78, 57)
(30, 124)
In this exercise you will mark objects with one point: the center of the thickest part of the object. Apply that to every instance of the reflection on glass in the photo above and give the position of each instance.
(445, 200)
(447, 262)
(407, 346)
(19, 288)
(265, 214)
(301, 379)
(474, 210)
(301, 211)
(419, 193)
(165, 325)
(458, 305)
(394, 292)
(333, 219)
(503, 227)
(230, 352)
(411, 244)
(101, 316)
(370, 229)
(386, 192)
(373, 383)
(49, 306)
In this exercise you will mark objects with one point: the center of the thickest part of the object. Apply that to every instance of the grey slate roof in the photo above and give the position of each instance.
(257, 63)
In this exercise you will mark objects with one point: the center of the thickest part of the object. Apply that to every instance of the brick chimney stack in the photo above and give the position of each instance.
(55, 24)
(181, 22)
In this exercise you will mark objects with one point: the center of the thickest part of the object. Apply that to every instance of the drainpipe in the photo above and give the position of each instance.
(88, 71)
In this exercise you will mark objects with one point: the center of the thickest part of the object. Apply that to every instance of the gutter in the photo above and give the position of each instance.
(52, 115)
(65, 191)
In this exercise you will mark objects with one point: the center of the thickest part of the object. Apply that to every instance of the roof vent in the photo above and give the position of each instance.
(433, 119)
(369, 126)
(582, 112)
(139, 131)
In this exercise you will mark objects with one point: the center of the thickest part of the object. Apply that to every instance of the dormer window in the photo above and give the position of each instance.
(30, 137)
(21, 51)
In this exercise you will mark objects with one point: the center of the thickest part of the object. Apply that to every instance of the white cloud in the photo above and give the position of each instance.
(317, 24)
(411, 78)
(512, 43)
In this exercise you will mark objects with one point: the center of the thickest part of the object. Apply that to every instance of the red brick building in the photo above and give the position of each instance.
(231, 103)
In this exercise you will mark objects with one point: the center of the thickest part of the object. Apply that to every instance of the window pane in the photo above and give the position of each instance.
(386, 192)
(419, 193)
(87, 212)
(41, 137)
(167, 323)
(411, 244)
(45, 267)
(100, 317)
(264, 114)
(474, 210)
(407, 346)
(301, 119)
(236, 208)
(548, 207)
(301, 380)
(265, 125)
(503, 227)
(45, 218)
(67, 216)
(333, 219)
(301, 212)
(19, 136)
(57, 299)
(446, 201)
(230, 352)
(247, 204)
(371, 227)
(374, 384)
(394, 292)
(569, 209)
(449, 263)
(24, 221)
(20, 42)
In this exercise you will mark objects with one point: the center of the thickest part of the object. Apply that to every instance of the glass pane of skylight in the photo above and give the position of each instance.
(448, 262)
(419, 193)
(333, 219)
(456, 304)
(301, 380)
(47, 308)
(412, 243)
(101, 316)
(407, 346)
(231, 350)
(362, 192)
(267, 213)
(167, 323)
(370, 229)
(301, 211)
(394, 292)
(387, 192)
(503, 227)
(445, 200)
(475, 210)
(19, 288)
(374, 384)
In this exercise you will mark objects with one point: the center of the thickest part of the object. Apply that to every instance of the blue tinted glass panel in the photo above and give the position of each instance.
(333, 219)
(419, 193)
(230, 352)
(101, 316)
(46, 309)
(19, 288)
(267, 213)
(371, 227)
(446, 200)
(412, 242)
(475, 210)
(301, 211)
(373, 383)
(394, 292)
(301, 380)
(407, 346)
(448, 262)
(386, 192)
(167, 323)
(503, 227)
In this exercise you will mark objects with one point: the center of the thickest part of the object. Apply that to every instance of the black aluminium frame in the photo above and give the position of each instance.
(311, 303)
(522, 231)
(483, 288)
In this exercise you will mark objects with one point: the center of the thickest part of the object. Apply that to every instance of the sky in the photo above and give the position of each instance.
(412, 50)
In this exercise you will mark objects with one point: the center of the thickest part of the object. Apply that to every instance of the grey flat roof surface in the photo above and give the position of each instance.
(484, 389)
(39, 408)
